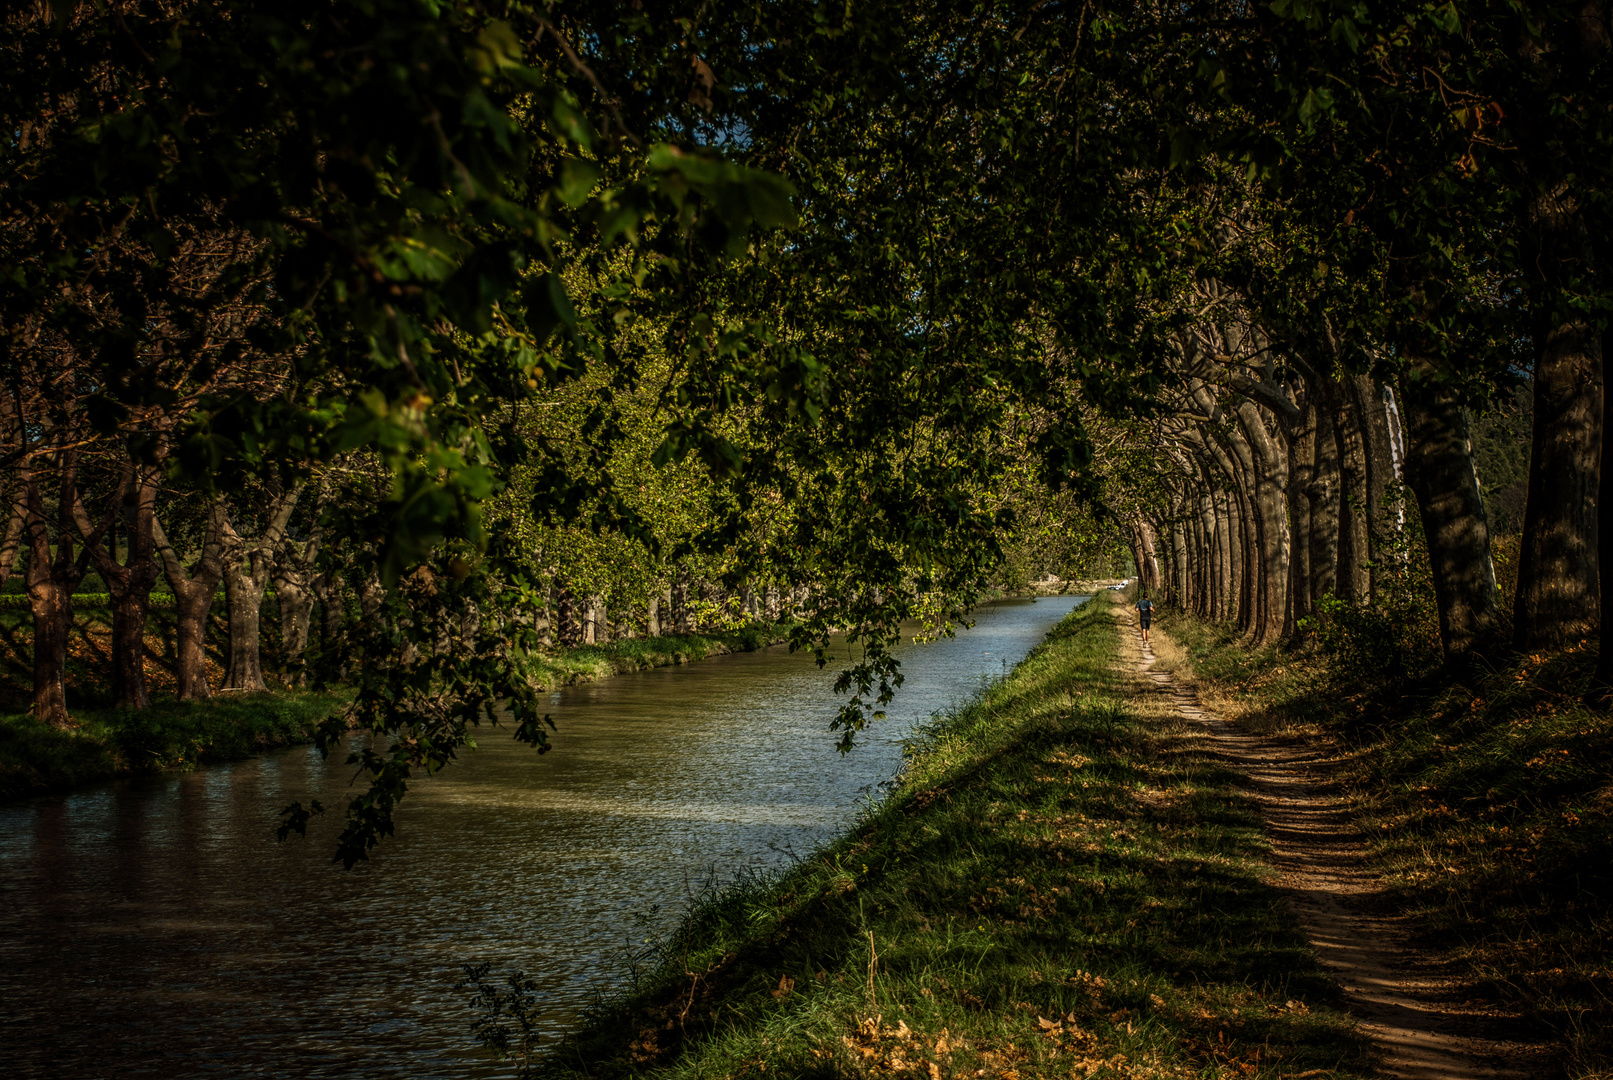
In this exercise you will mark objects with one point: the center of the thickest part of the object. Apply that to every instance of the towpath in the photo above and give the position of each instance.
(1426, 1027)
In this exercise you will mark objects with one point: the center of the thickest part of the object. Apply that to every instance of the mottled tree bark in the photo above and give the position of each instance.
(1301, 478)
(1323, 493)
(1181, 581)
(1559, 594)
(194, 590)
(52, 577)
(1147, 548)
(1604, 535)
(1354, 579)
(11, 542)
(247, 566)
(1439, 471)
(1558, 598)
(1378, 445)
(1209, 573)
(1268, 467)
(331, 589)
(680, 602)
(128, 584)
(595, 629)
(293, 577)
(567, 633)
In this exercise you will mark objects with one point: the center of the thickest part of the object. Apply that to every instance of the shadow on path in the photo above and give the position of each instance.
(1415, 1014)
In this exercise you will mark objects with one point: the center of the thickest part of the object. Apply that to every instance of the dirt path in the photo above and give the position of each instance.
(1419, 1018)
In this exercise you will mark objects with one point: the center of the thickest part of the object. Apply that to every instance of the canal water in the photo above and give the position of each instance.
(153, 927)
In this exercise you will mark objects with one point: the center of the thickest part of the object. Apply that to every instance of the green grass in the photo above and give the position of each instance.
(113, 742)
(1062, 886)
(588, 662)
(1488, 797)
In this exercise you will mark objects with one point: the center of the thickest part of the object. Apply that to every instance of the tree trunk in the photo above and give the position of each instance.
(1210, 526)
(1181, 577)
(331, 588)
(50, 602)
(129, 585)
(1150, 546)
(1226, 526)
(247, 567)
(1354, 580)
(567, 633)
(1439, 470)
(1604, 533)
(1559, 591)
(51, 581)
(243, 600)
(194, 591)
(11, 543)
(1378, 444)
(293, 586)
(1268, 466)
(1323, 494)
(1301, 479)
(595, 630)
(680, 603)
(1558, 597)
(1204, 558)
(1248, 527)
(193, 608)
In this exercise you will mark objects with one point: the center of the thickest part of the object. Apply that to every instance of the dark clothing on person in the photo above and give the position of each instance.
(1145, 611)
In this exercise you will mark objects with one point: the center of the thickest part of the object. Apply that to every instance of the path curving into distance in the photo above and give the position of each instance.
(1416, 1015)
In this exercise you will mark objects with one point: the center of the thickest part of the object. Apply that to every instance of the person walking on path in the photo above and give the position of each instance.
(1145, 614)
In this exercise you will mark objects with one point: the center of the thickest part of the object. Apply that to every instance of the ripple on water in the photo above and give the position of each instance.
(153, 927)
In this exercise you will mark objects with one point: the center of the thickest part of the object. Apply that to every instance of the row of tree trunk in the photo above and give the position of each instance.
(125, 542)
(61, 543)
(570, 620)
(1288, 489)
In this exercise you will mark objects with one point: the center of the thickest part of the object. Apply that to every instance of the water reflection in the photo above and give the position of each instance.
(153, 927)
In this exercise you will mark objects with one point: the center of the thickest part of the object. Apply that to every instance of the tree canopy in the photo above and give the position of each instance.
(814, 298)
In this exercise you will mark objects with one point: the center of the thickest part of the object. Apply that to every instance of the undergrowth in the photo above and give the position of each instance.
(1063, 885)
(1487, 795)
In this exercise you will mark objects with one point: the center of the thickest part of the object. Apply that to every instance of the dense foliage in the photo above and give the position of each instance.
(493, 319)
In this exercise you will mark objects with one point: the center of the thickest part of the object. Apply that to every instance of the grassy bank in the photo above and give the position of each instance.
(1062, 886)
(112, 742)
(1489, 798)
(588, 662)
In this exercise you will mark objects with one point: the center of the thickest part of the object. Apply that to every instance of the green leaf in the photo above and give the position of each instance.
(577, 179)
(1317, 101)
(547, 306)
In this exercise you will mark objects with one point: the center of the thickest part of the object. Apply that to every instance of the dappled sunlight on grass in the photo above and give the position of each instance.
(1063, 886)
(1488, 797)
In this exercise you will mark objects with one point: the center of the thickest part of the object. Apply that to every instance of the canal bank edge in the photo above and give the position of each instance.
(108, 743)
(1064, 882)
(169, 735)
(590, 663)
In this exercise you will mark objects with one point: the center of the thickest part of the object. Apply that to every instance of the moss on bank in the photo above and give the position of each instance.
(113, 742)
(1488, 798)
(1062, 886)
